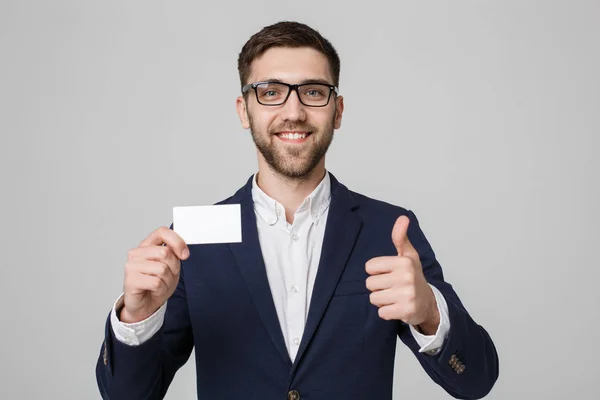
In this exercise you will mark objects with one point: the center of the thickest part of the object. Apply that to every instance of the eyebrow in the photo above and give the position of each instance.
(302, 82)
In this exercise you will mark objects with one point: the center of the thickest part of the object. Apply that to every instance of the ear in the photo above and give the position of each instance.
(240, 105)
(339, 110)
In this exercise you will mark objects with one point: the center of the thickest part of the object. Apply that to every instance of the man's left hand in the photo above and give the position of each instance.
(399, 287)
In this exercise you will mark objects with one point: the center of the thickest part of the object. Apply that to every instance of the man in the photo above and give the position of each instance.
(309, 304)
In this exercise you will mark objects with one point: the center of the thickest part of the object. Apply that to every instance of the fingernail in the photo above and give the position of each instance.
(185, 253)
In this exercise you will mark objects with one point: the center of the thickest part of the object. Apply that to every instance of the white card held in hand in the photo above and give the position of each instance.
(208, 224)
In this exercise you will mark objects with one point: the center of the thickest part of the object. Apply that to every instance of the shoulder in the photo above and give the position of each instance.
(370, 206)
(240, 195)
(383, 214)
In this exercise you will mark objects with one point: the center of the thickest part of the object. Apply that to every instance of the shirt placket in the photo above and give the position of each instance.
(296, 286)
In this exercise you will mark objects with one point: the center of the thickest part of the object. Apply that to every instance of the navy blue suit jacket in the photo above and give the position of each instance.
(223, 307)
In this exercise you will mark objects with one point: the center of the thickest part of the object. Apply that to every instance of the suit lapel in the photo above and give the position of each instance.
(251, 265)
(343, 225)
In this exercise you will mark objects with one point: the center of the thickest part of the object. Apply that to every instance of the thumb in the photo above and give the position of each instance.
(399, 234)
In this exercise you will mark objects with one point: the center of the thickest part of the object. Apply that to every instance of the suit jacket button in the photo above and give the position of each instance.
(293, 395)
(453, 360)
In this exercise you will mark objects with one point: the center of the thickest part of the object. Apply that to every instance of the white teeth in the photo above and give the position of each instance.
(293, 136)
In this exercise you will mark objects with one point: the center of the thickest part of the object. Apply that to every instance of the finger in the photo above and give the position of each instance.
(151, 268)
(382, 298)
(399, 234)
(389, 312)
(379, 282)
(163, 254)
(151, 283)
(400, 238)
(381, 265)
(164, 235)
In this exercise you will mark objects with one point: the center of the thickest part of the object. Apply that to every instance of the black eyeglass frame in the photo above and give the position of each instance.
(332, 89)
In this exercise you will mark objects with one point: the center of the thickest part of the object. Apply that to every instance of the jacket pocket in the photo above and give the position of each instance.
(348, 288)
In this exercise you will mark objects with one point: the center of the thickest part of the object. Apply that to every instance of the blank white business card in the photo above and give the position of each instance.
(208, 224)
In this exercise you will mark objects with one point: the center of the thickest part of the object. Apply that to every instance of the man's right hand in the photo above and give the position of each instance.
(152, 274)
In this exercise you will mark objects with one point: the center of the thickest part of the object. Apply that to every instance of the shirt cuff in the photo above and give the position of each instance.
(138, 332)
(431, 344)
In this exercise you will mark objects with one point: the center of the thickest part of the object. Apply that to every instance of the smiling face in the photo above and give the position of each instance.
(291, 138)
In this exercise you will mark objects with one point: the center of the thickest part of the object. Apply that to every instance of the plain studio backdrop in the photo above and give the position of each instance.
(481, 116)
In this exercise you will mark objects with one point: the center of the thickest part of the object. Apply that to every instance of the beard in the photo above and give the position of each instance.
(289, 160)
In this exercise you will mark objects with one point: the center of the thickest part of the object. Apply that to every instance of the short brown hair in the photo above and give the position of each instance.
(286, 34)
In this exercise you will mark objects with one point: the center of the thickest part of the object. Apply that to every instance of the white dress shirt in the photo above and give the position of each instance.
(291, 254)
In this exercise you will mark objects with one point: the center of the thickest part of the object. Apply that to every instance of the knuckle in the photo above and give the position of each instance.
(409, 275)
(156, 284)
(411, 294)
(163, 252)
(176, 266)
(158, 270)
(131, 254)
(382, 312)
(164, 271)
(129, 267)
(129, 283)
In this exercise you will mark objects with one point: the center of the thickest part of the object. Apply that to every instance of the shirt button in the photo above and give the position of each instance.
(295, 289)
(294, 237)
(296, 341)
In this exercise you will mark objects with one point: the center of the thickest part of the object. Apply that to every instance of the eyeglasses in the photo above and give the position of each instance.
(277, 93)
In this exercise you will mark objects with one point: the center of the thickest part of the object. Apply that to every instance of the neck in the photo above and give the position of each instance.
(290, 192)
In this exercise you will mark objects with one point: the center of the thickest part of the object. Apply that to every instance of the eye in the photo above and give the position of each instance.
(271, 91)
(315, 92)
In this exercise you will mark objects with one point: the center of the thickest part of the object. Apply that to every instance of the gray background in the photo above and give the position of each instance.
(481, 116)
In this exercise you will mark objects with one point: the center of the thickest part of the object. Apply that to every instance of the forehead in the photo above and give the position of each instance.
(291, 65)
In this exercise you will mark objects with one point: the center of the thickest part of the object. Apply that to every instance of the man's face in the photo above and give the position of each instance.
(291, 138)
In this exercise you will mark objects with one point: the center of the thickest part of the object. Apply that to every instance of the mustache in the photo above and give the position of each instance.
(293, 127)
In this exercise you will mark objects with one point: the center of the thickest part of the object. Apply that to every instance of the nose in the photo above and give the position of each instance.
(293, 109)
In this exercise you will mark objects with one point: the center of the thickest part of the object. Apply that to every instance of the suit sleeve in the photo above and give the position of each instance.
(146, 371)
(467, 365)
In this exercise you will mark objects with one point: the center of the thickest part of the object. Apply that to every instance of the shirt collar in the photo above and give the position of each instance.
(270, 210)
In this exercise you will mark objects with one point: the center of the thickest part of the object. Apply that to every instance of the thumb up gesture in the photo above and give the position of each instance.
(398, 286)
